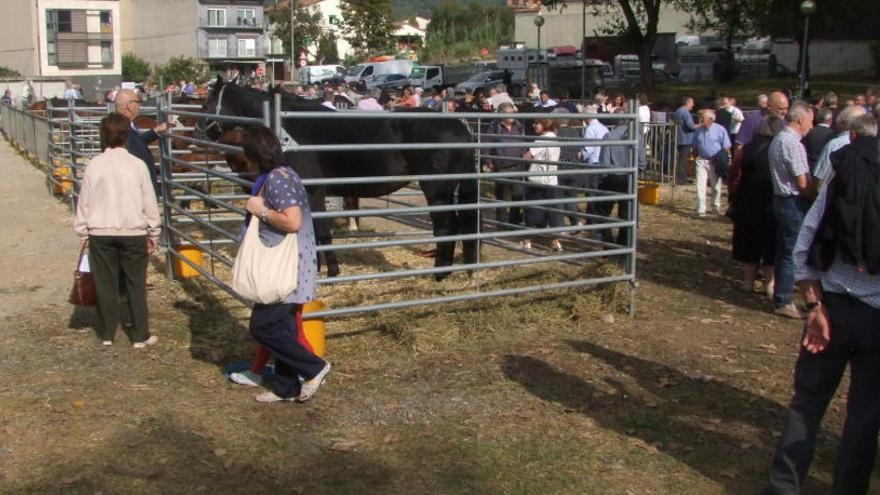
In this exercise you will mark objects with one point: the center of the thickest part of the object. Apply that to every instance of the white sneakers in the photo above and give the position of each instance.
(247, 378)
(251, 379)
(789, 311)
(150, 341)
(310, 387)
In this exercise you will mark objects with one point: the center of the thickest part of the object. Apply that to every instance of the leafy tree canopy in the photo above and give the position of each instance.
(183, 69)
(367, 25)
(134, 68)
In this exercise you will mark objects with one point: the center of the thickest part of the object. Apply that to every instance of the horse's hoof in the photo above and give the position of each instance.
(439, 277)
(332, 272)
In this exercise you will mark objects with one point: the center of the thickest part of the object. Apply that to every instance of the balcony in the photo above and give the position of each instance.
(232, 54)
(234, 25)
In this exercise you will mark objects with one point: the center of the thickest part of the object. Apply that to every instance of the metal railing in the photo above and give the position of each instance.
(203, 206)
(214, 230)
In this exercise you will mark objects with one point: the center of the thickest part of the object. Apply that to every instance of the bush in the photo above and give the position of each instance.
(7, 72)
(134, 68)
(183, 69)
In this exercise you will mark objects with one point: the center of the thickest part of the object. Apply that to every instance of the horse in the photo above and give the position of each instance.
(229, 99)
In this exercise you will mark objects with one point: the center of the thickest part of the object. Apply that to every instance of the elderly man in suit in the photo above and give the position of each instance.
(818, 136)
(128, 103)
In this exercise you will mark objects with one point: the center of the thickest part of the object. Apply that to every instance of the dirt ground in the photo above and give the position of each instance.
(553, 393)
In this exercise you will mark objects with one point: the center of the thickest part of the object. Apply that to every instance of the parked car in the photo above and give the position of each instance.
(481, 80)
(390, 81)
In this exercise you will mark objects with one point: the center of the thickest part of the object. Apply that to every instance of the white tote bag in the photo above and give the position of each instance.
(263, 274)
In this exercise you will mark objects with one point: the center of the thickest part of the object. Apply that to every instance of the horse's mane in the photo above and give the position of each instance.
(288, 101)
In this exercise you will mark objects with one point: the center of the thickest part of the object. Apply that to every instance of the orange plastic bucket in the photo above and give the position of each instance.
(64, 181)
(314, 329)
(181, 268)
(649, 193)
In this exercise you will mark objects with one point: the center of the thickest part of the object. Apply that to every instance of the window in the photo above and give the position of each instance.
(52, 53)
(65, 25)
(106, 21)
(107, 53)
(247, 47)
(247, 17)
(333, 20)
(216, 48)
(216, 17)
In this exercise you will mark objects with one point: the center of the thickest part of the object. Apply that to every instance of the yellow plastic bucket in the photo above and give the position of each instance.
(63, 181)
(649, 193)
(314, 329)
(181, 268)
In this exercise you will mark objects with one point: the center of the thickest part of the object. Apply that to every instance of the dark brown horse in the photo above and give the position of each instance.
(359, 130)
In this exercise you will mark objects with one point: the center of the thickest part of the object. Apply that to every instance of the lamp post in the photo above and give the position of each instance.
(808, 8)
(539, 21)
(583, 50)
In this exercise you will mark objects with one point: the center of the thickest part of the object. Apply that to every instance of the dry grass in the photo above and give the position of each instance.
(558, 392)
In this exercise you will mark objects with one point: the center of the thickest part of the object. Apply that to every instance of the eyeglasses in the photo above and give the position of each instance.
(138, 101)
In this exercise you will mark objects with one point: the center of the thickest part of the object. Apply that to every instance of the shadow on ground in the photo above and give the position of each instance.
(721, 431)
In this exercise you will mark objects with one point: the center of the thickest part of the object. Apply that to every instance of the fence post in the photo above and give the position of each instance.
(635, 132)
(71, 117)
(165, 176)
(276, 121)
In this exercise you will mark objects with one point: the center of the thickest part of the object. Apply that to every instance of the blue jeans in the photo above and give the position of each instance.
(789, 212)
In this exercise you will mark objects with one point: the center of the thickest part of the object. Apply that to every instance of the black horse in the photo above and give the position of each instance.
(235, 100)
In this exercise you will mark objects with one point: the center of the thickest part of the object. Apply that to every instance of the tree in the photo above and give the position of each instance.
(134, 68)
(636, 22)
(307, 28)
(367, 25)
(459, 31)
(183, 69)
(7, 72)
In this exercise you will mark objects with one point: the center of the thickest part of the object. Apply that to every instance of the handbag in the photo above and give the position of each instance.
(264, 274)
(83, 292)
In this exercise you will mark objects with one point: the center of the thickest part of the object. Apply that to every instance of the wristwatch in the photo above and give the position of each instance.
(813, 305)
(264, 214)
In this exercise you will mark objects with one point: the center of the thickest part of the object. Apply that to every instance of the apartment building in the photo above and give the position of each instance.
(78, 40)
(227, 34)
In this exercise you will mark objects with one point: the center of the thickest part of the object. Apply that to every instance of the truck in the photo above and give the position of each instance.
(363, 73)
(429, 76)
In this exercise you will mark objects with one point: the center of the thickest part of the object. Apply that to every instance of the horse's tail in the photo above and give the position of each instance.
(468, 194)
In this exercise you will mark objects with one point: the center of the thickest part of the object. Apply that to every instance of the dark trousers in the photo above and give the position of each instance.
(505, 191)
(681, 166)
(618, 184)
(538, 216)
(572, 181)
(274, 326)
(855, 339)
(789, 213)
(120, 261)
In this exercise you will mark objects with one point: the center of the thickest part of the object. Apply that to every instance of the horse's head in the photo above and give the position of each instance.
(214, 105)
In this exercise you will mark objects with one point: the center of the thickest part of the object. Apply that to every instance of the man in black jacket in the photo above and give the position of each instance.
(128, 103)
(818, 136)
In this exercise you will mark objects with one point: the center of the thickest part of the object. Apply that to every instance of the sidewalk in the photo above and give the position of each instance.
(36, 238)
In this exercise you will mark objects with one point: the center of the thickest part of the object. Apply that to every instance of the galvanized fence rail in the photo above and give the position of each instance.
(203, 206)
(214, 230)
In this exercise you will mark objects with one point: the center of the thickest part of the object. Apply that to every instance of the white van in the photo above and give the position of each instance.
(364, 73)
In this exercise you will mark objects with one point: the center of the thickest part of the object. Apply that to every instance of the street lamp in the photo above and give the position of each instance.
(539, 21)
(808, 8)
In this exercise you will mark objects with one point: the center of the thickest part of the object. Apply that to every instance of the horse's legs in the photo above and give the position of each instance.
(467, 219)
(352, 203)
(323, 233)
(443, 222)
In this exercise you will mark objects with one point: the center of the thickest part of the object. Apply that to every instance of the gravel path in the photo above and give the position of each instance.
(38, 244)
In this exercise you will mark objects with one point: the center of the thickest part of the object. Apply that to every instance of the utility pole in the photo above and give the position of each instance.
(292, 44)
(583, 51)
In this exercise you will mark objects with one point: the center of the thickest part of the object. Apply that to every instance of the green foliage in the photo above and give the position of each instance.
(306, 26)
(407, 9)
(458, 32)
(327, 51)
(183, 69)
(7, 72)
(367, 25)
(134, 68)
